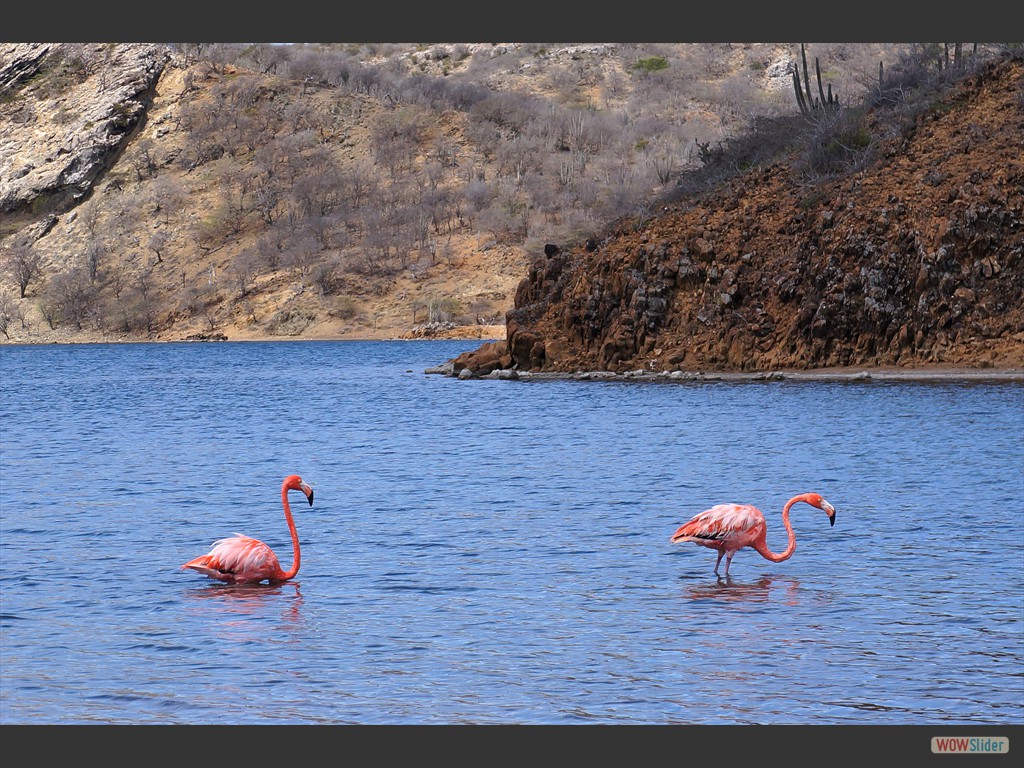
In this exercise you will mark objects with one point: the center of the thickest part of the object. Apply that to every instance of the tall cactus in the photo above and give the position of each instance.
(804, 98)
(801, 102)
(807, 79)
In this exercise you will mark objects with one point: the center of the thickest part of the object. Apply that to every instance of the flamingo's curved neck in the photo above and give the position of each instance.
(778, 557)
(291, 572)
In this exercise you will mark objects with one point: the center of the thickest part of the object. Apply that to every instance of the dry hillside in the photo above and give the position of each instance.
(160, 193)
(916, 258)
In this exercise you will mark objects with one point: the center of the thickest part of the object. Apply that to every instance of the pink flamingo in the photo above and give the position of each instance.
(244, 560)
(729, 527)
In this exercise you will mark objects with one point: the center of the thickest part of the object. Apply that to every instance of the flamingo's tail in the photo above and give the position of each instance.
(201, 564)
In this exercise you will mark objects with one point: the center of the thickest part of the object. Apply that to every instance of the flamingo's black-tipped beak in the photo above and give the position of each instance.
(308, 491)
(830, 511)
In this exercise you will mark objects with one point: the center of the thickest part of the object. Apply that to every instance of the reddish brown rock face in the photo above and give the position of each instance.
(916, 260)
(489, 357)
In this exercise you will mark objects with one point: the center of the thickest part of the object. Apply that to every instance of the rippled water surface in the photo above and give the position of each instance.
(498, 551)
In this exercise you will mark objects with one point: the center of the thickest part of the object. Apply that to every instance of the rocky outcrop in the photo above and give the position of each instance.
(492, 356)
(65, 114)
(916, 260)
(20, 62)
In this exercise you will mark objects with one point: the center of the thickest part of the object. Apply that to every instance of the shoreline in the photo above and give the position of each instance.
(473, 333)
(251, 340)
(854, 374)
(859, 373)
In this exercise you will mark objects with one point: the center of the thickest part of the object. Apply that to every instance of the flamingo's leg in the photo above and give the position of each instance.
(719, 560)
(728, 561)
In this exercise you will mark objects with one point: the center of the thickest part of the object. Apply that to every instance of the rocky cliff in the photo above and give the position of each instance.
(76, 130)
(916, 259)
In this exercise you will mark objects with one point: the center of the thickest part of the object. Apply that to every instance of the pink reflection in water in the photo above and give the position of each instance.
(760, 591)
(239, 604)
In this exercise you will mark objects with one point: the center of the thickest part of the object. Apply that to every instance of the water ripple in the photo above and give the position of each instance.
(497, 552)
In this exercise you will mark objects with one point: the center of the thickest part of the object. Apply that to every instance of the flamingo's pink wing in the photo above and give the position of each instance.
(243, 556)
(731, 525)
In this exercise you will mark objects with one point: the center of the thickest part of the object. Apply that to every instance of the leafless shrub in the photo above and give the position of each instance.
(343, 307)
(303, 254)
(71, 297)
(243, 271)
(158, 242)
(839, 141)
(10, 312)
(136, 312)
(143, 160)
(326, 275)
(443, 309)
(23, 264)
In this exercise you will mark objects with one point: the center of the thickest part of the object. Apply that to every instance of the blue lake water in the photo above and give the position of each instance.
(497, 552)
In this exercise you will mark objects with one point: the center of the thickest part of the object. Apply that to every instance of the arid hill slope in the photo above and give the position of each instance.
(916, 260)
(153, 193)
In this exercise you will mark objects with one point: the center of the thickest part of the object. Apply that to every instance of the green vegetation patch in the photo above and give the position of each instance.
(651, 64)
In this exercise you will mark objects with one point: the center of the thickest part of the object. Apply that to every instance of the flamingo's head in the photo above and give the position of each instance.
(815, 500)
(295, 483)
